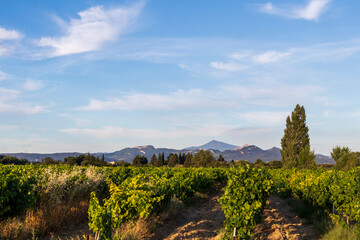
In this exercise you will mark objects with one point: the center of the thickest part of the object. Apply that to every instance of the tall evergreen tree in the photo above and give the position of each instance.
(153, 160)
(173, 159)
(296, 140)
(188, 160)
(139, 161)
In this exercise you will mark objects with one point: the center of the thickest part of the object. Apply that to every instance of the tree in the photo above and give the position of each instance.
(188, 160)
(259, 163)
(274, 164)
(221, 159)
(48, 160)
(203, 159)
(12, 160)
(306, 158)
(139, 161)
(295, 140)
(182, 158)
(344, 158)
(153, 160)
(173, 159)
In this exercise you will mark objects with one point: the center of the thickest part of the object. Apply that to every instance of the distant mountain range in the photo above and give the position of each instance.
(230, 152)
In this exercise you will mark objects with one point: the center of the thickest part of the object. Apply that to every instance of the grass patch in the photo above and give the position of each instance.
(322, 223)
(314, 216)
(343, 233)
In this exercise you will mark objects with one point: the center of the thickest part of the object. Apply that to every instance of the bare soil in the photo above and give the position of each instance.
(202, 220)
(280, 223)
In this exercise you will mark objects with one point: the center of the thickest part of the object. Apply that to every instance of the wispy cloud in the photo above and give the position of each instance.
(33, 85)
(10, 103)
(107, 132)
(3, 75)
(272, 94)
(181, 99)
(96, 26)
(264, 118)
(270, 57)
(311, 11)
(276, 94)
(231, 66)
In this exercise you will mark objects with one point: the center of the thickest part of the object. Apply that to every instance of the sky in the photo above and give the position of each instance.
(99, 76)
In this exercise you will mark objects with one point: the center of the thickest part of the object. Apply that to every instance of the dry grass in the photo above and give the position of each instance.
(135, 230)
(43, 221)
(64, 202)
(221, 234)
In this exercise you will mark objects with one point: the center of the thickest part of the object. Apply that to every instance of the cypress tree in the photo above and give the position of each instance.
(296, 140)
(153, 160)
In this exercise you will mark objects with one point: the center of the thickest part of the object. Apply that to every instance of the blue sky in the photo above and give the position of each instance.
(104, 75)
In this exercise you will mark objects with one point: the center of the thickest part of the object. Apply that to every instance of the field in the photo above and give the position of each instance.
(39, 201)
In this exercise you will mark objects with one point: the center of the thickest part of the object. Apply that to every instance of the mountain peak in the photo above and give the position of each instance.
(241, 147)
(144, 147)
(215, 145)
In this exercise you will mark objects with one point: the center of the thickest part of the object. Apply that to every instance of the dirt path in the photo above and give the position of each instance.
(200, 221)
(281, 223)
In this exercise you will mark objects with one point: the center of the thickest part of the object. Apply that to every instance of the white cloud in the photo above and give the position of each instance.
(231, 67)
(270, 57)
(33, 85)
(10, 104)
(9, 34)
(191, 99)
(96, 26)
(239, 56)
(312, 11)
(7, 38)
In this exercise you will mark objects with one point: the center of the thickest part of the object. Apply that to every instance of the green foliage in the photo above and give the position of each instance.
(203, 159)
(322, 189)
(173, 160)
(188, 160)
(274, 164)
(295, 139)
(142, 191)
(16, 189)
(244, 198)
(85, 160)
(153, 161)
(344, 158)
(12, 160)
(259, 163)
(306, 158)
(139, 161)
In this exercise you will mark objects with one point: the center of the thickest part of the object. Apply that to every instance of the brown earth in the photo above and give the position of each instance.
(280, 223)
(201, 220)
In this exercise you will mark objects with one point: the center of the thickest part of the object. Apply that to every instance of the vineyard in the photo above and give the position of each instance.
(112, 196)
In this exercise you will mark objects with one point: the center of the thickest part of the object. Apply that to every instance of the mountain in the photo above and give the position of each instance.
(215, 145)
(127, 154)
(230, 152)
(251, 153)
(322, 159)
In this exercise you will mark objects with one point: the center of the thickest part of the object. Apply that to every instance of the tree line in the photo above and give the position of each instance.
(200, 159)
(80, 160)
